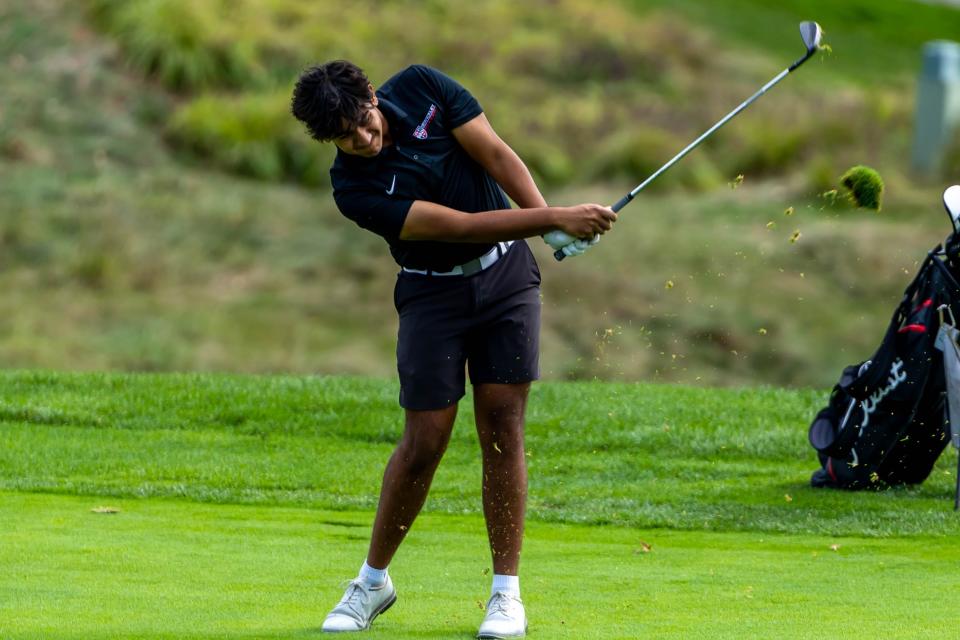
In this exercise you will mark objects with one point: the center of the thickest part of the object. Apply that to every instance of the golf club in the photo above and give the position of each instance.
(811, 34)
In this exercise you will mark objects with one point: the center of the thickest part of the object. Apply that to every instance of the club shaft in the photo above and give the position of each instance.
(622, 202)
(693, 145)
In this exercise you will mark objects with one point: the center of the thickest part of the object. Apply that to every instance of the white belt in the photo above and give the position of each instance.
(476, 265)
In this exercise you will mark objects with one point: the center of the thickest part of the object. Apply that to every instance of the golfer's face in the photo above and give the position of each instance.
(366, 139)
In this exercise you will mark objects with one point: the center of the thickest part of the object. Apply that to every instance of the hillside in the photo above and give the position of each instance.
(160, 211)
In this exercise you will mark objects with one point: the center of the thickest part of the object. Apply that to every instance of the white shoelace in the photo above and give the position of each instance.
(355, 598)
(503, 603)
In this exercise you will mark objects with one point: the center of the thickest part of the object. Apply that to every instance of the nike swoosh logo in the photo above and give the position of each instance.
(392, 185)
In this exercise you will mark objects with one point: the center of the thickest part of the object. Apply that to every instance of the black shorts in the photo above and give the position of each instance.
(489, 322)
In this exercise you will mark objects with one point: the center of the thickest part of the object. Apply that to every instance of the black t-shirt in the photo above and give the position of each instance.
(425, 162)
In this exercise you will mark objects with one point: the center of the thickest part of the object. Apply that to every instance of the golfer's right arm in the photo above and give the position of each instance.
(431, 221)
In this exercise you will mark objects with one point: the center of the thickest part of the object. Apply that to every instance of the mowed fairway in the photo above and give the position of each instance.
(245, 501)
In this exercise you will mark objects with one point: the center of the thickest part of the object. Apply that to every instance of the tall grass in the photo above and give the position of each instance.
(182, 43)
(253, 135)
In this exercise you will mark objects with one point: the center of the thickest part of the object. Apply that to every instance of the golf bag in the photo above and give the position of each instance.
(886, 422)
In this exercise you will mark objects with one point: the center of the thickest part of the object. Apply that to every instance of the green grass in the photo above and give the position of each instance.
(174, 569)
(244, 501)
(599, 453)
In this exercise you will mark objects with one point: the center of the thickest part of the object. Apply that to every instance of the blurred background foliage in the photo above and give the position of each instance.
(624, 81)
(160, 209)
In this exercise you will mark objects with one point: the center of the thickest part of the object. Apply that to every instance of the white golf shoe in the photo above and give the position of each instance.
(359, 606)
(505, 618)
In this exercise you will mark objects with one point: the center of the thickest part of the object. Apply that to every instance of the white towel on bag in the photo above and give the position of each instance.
(948, 341)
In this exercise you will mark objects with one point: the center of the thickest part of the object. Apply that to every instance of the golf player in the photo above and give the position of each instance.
(419, 164)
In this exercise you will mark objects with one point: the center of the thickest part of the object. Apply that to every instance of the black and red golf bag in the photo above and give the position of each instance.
(886, 422)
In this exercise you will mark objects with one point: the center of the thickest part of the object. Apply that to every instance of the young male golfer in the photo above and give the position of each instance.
(419, 164)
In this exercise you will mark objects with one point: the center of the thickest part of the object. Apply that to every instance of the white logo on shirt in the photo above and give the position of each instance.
(392, 185)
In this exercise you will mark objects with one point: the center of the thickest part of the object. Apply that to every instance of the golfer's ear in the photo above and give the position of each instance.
(373, 95)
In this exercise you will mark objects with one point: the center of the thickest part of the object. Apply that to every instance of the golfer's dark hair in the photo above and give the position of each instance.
(328, 95)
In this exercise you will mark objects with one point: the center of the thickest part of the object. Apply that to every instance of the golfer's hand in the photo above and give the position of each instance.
(585, 221)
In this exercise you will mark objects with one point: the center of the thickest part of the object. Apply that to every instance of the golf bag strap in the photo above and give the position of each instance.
(948, 276)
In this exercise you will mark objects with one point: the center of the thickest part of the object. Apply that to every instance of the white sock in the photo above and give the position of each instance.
(507, 584)
(372, 577)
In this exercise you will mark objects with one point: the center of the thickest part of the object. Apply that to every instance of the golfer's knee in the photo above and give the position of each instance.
(421, 454)
(502, 406)
(421, 449)
(425, 439)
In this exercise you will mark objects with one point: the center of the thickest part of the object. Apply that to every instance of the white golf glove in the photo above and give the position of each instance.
(568, 244)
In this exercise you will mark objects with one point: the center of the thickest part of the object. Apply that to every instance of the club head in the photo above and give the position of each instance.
(811, 33)
(951, 202)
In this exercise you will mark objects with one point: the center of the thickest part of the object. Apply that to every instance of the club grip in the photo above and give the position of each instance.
(621, 203)
(559, 255)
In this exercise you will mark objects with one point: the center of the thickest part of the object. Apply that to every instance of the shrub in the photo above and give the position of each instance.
(181, 42)
(253, 135)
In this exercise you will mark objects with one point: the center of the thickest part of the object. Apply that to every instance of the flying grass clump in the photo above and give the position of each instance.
(865, 186)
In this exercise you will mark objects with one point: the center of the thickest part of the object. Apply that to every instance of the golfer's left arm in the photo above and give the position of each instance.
(482, 143)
